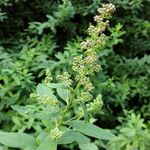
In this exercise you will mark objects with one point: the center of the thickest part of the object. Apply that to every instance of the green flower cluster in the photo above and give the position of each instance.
(86, 64)
(65, 78)
(96, 105)
(43, 99)
(78, 90)
(48, 76)
(56, 134)
(84, 97)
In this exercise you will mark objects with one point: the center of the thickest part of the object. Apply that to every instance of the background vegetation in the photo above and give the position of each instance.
(39, 35)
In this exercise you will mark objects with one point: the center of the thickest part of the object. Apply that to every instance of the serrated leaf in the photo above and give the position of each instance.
(18, 140)
(73, 136)
(92, 130)
(48, 144)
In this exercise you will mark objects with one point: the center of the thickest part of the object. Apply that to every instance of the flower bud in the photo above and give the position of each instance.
(65, 77)
(49, 77)
(56, 134)
(96, 105)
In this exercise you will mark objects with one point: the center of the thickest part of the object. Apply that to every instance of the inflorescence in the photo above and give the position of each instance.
(84, 67)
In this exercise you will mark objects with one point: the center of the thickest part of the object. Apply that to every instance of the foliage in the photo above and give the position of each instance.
(75, 93)
(43, 35)
(133, 134)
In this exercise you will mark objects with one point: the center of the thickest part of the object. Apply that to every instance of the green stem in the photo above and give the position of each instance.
(64, 113)
(84, 111)
(78, 85)
(68, 105)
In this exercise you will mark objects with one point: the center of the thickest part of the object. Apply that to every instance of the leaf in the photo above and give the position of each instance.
(84, 111)
(16, 79)
(30, 122)
(16, 121)
(18, 140)
(73, 136)
(24, 110)
(44, 90)
(57, 85)
(64, 94)
(48, 144)
(128, 132)
(88, 146)
(92, 130)
(29, 111)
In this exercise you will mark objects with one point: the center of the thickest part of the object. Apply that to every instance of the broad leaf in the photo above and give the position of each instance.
(63, 93)
(48, 144)
(44, 90)
(57, 85)
(24, 110)
(92, 130)
(73, 136)
(18, 140)
(88, 146)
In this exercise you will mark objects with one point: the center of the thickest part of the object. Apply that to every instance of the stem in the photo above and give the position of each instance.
(64, 113)
(78, 85)
(84, 111)
(68, 105)
(75, 118)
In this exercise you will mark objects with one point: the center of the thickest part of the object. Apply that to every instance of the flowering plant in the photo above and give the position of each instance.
(65, 102)
(76, 91)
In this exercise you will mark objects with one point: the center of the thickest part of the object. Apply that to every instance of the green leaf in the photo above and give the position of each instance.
(73, 136)
(57, 85)
(24, 110)
(48, 144)
(88, 146)
(16, 121)
(16, 79)
(44, 90)
(64, 94)
(30, 122)
(128, 132)
(29, 111)
(18, 140)
(84, 111)
(92, 130)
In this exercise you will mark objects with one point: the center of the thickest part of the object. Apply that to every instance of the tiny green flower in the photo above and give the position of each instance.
(35, 97)
(48, 100)
(84, 97)
(56, 134)
(65, 77)
(96, 105)
(49, 77)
